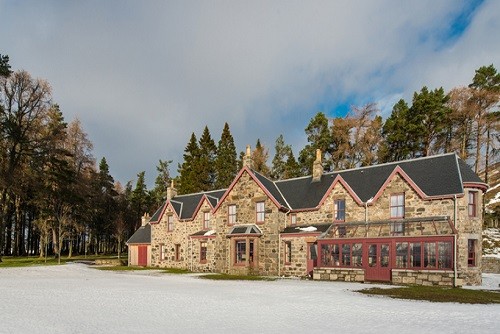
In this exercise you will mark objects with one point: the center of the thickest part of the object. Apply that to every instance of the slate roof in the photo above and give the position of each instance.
(435, 176)
(467, 173)
(141, 236)
(185, 205)
(441, 175)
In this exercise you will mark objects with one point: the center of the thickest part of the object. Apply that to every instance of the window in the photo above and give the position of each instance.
(342, 255)
(177, 252)
(415, 254)
(231, 212)
(445, 255)
(203, 252)
(206, 220)
(163, 252)
(435, 255)
(260, 210)
(293, 219)
(244, 252)
(401, 254)
(398, 228)
(398, 206)
(471, 252)
(241, 251)
(339, 209)
(288, 252)
(170, 223)
(472, 205)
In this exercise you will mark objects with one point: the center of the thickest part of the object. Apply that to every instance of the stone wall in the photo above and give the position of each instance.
(298, 266)
(245, 194)
(491, 265)
(339, 274)
(425, 277)
(469, 228)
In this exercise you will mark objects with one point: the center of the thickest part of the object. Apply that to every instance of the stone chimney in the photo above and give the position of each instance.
(171, 191)
(317, 167)
(145, 219)
(247, 159)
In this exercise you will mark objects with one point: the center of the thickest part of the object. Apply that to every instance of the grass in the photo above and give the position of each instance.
(175, 271)
(225, 277)
(26, 261)
(438, 294)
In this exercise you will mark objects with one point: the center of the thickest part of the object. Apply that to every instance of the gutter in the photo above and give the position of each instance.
(279, 242)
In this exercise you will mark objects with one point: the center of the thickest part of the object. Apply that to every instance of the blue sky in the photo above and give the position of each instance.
(143, 75)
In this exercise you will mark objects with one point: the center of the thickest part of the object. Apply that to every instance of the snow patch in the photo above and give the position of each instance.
(307, 229)
(211, 232)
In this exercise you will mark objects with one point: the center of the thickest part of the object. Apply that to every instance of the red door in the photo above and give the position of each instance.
(142, 256)
(377, 264)
(312, 257)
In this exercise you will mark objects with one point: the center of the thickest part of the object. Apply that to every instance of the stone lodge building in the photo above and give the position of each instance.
(408, 222)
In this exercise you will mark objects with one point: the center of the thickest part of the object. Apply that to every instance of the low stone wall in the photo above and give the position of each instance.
(110, 262)
(424, 277)
(339, 274)
(491, 265)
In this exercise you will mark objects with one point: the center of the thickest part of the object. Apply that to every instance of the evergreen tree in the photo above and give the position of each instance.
(397, 144)
(140, 199)
(226, 165)
(4, 66)
(188, 171)
(159, 193)
(427, 119)
(292, 168)
(206, 163)
(282, 151)
(319, 137)
(485, 98)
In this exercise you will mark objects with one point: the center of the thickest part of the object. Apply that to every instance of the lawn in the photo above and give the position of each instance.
(437, 294)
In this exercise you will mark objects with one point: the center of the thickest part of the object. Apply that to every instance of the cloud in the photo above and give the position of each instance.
(142, 76)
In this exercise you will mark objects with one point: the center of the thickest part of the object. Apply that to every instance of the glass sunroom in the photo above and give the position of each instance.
(378, 247)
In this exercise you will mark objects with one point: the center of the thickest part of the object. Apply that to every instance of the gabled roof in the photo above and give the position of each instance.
(435, 176)
(186, 206)
(141, 236)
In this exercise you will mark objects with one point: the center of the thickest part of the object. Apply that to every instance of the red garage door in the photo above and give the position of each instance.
(142, 256)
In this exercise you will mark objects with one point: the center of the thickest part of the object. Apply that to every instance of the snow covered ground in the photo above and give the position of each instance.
(74, 298)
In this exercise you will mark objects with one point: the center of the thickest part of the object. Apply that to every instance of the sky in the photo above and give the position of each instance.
(141, 76)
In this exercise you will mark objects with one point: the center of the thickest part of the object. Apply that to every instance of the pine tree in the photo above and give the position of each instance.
(319, 137)
(208, 153)
(188, 171)
(159, 193)
(140, 199)
(397, 144)
(282, 151)
(4, 66)
(292, 168)
(226, 165)
(427, 120)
